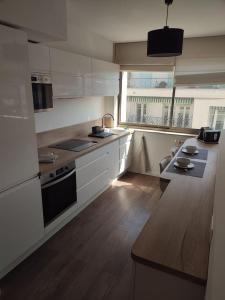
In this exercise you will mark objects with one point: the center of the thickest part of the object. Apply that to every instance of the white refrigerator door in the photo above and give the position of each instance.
(18, 149)
(21, 220)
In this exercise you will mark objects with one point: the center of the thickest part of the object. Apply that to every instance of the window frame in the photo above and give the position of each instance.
(144, 126)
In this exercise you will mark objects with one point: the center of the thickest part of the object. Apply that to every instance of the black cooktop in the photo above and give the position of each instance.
(74, 145)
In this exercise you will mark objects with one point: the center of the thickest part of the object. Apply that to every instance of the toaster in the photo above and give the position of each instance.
(211, 136)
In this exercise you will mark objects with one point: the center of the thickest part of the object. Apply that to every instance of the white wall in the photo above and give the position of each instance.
(159, 145)
(42, 20)
(67, 112)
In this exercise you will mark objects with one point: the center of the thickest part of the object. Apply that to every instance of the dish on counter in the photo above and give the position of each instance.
(188, 167)
(183, 161)
(192, 150)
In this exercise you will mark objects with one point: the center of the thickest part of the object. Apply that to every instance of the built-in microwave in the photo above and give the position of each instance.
(42, 91)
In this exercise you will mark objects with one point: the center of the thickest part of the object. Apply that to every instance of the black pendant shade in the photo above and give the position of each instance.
(165, 42)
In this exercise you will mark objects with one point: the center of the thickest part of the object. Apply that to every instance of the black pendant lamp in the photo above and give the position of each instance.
(167, 41)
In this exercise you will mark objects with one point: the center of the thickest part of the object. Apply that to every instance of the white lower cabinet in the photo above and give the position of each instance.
(21, 220)
(125, 153)
(95, 171)
(93, 188)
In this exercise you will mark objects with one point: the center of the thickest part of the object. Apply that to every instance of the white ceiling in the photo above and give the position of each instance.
(130, 20)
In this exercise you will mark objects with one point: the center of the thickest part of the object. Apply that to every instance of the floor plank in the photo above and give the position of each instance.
(89, 259)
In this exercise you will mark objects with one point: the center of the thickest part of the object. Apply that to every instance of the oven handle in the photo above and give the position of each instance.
(58, 180)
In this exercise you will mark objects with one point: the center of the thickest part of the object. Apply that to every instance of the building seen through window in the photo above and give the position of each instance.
(146, 98)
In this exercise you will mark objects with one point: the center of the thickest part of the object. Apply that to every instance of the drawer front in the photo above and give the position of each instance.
(88, 172)
(125, 139)
(92, 156)
(93, 188)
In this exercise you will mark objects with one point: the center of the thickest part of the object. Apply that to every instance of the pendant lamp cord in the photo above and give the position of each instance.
(167, 12)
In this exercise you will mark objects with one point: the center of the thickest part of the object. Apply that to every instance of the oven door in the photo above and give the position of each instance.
(58, 195)
(42, 96)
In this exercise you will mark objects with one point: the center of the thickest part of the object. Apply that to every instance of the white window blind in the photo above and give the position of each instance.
(147, 68)
(202, 62)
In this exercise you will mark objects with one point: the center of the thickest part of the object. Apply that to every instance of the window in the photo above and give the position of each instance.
(216, 117)
(206, 107)
(147, 100)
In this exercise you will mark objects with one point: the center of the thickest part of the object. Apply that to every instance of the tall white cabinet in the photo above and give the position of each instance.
(21, 218)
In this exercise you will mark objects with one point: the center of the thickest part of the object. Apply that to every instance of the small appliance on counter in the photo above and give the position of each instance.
(107, 120)
(209, 135)
(98, 131)
(201, 133)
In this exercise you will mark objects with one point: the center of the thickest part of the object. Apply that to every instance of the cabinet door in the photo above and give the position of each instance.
(113, 159)
(70, 63)
(39, 58)
(18, 146)
(105, 78)
(21, 220)
(103, 69)
(67, 85)
(125, 153)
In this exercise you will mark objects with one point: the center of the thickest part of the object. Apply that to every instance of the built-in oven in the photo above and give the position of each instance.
(42, 91)
(58, 191)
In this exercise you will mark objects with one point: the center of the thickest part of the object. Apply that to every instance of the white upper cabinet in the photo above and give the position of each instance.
(67, 86)
(39, 58)
(104, 70)
(70, 63)
(74, 75)
(69, 73)
(105, 78)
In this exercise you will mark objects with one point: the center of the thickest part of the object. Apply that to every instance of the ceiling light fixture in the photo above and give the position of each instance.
(167, 41)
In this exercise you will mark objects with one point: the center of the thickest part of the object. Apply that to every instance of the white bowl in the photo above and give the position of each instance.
(183, 162)
(191, 149)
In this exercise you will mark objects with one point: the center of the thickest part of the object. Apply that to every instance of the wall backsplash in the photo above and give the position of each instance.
(67, 112)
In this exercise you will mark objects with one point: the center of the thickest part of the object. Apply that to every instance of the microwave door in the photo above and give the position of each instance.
(37, 95)
(47, 100)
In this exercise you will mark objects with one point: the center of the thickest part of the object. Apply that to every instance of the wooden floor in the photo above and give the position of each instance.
(89, 258)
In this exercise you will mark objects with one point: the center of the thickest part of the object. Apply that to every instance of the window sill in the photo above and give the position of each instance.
(158, 130)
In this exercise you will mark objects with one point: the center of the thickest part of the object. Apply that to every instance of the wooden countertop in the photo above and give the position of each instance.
(177, 236)
(65, 156)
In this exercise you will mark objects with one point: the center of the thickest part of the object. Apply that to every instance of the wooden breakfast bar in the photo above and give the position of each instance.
(171, 253)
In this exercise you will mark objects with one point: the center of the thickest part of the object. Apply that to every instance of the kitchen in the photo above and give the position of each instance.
(80, 165)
